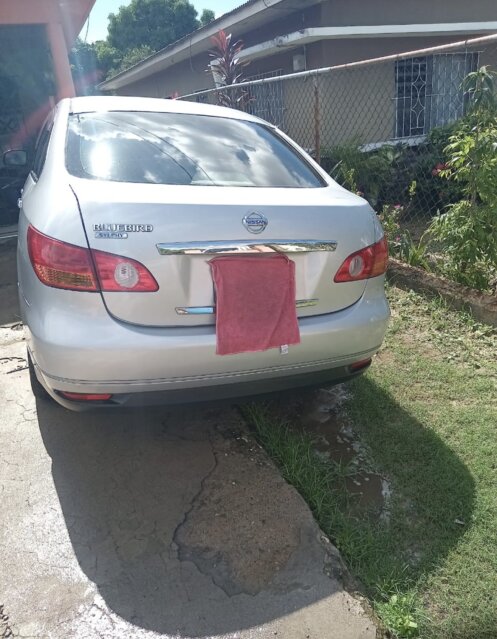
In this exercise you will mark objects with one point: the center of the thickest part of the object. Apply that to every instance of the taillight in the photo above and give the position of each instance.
(368, 262)
(59, 264)
(86, 397)
(358, 366)
(63, 265)
(118, 273)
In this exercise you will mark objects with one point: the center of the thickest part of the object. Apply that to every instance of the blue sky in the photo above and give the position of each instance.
(97, 25)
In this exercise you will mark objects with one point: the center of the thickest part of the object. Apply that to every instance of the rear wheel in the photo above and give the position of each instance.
(38, 391)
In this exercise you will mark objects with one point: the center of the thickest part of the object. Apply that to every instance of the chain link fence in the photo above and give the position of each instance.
(379, 127)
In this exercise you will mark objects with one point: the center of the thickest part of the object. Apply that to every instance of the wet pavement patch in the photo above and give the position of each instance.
(320, 415)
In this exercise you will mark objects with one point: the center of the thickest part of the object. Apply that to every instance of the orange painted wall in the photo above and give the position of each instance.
(63, 22)
(72, 16)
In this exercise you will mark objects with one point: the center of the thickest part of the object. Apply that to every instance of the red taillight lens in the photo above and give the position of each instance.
(363, 363)
(86, 397)
(63, 265)
(368, 262)
(59, 264)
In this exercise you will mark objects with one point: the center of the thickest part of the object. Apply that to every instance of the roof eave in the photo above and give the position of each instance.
(189, 45)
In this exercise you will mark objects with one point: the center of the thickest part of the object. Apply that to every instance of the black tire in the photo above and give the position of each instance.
(38, 391)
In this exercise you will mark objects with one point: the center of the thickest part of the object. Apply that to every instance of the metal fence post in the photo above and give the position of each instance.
(317, 122)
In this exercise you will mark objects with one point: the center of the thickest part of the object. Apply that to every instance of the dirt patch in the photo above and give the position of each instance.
(418, 342)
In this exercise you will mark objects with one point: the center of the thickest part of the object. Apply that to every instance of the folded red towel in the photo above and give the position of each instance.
(255, 303)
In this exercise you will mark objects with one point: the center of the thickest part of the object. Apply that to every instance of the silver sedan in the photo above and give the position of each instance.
(128, 204)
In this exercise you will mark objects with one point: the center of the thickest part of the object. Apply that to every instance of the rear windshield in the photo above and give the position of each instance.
(179, 148)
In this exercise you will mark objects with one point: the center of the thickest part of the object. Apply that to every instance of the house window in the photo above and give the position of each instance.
(429, 93)
(266, 100)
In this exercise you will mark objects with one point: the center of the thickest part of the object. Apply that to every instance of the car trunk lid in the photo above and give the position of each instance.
(175, 230)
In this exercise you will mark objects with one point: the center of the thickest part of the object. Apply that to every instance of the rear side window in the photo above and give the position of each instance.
(178, 148)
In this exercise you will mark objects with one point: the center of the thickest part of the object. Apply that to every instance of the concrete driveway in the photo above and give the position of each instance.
(153, 523)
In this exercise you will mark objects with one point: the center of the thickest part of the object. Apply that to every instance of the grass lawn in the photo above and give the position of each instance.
(426, 414)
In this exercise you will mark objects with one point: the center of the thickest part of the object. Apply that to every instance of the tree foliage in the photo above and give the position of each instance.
(135, 32)
(84, 67)
(131, 57)
(151, 23)
(206, 17)
(108, 58)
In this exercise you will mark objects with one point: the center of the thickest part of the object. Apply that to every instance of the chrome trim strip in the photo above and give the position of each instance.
(245, 247)
(306, 303)
(210, 310)
(195, 310)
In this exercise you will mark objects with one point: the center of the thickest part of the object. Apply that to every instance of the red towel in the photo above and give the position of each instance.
(255, 303)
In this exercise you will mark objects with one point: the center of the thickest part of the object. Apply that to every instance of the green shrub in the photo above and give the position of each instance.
(399, 615)
(413, 253)
(468, 233)
(400, 242)
(468, 228)
(364, 172)
(384, 175)
(423, 165)
(389, 217)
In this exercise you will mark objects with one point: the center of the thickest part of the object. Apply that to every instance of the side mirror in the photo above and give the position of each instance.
(15, 158)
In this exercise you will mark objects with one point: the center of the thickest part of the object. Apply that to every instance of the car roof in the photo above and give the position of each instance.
(96, 103)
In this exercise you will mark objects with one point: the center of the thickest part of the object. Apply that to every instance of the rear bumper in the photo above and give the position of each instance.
(96, 354)
(220, 392)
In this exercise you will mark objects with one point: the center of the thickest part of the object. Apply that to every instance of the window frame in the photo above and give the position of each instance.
(422, 92)
(41, 148)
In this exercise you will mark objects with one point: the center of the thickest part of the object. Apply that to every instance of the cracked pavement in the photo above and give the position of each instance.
(153, 523)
